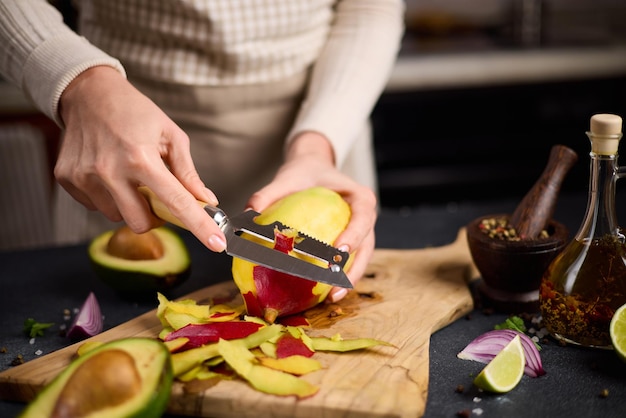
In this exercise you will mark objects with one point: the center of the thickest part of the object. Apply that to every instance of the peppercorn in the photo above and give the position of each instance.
(500, 228)
(19, 359)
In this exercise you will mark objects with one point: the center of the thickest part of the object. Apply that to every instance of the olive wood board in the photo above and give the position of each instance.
(404, 297)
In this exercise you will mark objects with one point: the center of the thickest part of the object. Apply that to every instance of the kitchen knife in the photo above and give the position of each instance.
(238, 246)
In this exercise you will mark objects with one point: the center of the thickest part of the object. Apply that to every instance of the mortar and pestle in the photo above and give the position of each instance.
(511, 266)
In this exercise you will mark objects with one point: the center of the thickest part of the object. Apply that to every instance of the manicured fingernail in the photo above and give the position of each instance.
(217, 243)
(211, 198)
(344, 248)
(337, 294)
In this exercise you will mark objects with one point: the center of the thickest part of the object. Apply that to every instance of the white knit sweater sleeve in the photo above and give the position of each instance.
(41, 55)
(352, 71)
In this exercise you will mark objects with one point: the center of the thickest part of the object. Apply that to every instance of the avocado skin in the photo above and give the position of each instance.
(142, 278)
(133, 284)
(157, 379)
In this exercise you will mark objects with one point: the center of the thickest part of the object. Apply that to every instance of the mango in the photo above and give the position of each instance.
(263, 378)
(200, 334)
(186, 360)
(270, 357)
(336, 343)
(289, 345)
(317, 212)
(295, 364)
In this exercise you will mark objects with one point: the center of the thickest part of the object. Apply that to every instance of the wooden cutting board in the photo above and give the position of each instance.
(405, 296)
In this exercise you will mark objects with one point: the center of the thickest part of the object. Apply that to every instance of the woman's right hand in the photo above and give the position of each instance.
(115, 140)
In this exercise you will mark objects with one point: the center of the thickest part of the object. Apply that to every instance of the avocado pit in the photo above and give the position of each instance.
(125, 243)
(124, 378)
(107, 379)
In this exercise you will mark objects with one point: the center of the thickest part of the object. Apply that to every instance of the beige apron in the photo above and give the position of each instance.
(237, 136)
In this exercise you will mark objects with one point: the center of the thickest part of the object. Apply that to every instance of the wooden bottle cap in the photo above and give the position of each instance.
(605, 133)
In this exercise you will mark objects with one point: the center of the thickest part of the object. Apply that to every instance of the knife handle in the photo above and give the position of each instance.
(162, 212)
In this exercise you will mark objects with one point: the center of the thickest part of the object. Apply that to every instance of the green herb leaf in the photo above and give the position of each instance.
(34, 329)
(516, 324)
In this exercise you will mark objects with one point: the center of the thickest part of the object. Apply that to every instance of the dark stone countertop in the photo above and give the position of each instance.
(41, 283)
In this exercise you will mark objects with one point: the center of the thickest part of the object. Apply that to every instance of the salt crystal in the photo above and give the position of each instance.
(31, 341)
(38, 352)
(477, 411)
(477, 399)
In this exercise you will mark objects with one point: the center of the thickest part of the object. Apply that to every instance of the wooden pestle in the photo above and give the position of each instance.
(536, 208)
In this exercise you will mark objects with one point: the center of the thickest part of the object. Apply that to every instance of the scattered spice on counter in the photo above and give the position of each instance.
(459, 389)
(19, 359)
(3, 350)
(604, 393)
(466, 413)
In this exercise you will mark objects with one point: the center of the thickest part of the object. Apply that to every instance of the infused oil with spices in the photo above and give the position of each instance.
(586, 283)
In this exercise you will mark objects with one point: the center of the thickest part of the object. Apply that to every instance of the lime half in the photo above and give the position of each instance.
(505, 370)
(618, 331)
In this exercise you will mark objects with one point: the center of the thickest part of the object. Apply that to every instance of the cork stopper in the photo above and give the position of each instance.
(605, 133)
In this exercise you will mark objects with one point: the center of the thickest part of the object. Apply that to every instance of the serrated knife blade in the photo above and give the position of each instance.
(238, 246)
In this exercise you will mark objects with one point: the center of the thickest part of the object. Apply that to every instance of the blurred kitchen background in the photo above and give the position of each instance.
(481, 91)
(484, 88)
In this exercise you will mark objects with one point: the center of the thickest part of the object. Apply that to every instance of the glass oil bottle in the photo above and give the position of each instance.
(586, 282)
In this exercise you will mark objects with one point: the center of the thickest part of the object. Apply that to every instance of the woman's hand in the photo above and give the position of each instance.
(310, 162)
(115, 140)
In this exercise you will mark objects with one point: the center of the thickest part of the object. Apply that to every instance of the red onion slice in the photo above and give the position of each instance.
(485, 347)
(88, 322)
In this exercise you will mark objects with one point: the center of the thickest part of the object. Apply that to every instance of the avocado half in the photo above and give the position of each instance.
(130, 377)
(137, 277)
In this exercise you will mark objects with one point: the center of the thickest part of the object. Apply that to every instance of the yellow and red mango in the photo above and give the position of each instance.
(201, 334)
(262, 378)
(317, 212)
(296, 364)
(288, 345)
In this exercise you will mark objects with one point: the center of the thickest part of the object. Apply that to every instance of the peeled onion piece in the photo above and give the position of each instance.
(485, 347)
(88, 322)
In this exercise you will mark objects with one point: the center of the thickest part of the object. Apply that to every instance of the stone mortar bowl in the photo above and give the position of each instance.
(511, 271)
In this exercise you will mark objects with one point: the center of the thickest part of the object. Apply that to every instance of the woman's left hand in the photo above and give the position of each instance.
(309, 163)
